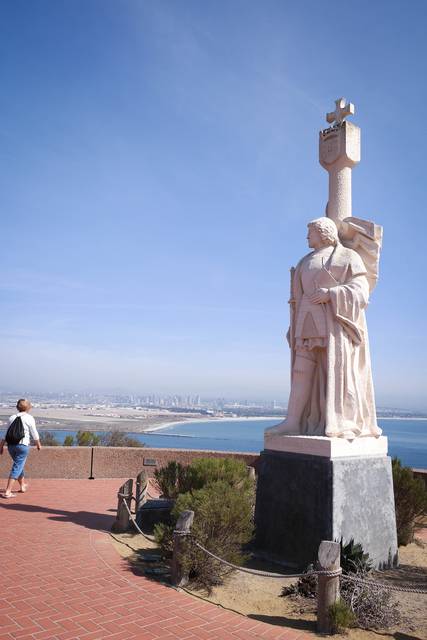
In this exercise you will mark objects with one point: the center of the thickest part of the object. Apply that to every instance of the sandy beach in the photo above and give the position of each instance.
(101, 418)
(139, 420)
(211, 419)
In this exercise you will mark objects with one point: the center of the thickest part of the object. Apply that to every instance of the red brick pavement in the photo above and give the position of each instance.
(62, 579)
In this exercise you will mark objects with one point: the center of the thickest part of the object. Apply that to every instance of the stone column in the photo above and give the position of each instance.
(339, 152)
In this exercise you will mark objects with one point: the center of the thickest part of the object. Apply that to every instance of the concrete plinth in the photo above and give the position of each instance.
(327, 447)
(303, 499)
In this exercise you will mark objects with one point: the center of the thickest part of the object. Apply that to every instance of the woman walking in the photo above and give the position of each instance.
(19, 452)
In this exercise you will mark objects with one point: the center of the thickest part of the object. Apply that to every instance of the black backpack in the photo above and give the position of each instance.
(16, 432)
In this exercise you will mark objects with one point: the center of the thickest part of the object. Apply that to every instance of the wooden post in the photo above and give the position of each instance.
(141, 487)
(179, 577)
(328, 588)
(121, 523)
(251, 473)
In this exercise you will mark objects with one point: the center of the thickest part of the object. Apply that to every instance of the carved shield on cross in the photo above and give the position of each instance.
(330, 145)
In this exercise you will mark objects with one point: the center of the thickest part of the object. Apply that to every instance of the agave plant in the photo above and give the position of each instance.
(353, 558)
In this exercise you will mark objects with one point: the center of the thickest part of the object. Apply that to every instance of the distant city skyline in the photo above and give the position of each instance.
(159, 167)
(174, 401)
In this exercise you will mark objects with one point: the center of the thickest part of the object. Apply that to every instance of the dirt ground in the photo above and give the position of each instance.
(259, 598)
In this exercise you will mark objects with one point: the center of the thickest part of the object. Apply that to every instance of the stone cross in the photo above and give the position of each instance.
(339, 152)
(342, 110)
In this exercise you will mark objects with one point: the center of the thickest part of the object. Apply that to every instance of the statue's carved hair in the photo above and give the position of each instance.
(327, 229)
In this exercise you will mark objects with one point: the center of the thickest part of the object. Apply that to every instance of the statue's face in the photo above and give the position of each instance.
(314, 238)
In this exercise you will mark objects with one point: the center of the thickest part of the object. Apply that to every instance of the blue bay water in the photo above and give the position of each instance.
(407, 438)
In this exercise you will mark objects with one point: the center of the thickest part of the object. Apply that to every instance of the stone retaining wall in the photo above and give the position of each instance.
(108, 462)
(422, 474)
(117, 462)
(52, 462)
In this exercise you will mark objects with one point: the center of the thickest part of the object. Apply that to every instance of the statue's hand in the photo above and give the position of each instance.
(320, 296)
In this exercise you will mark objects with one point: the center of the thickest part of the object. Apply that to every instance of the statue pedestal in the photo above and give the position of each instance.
(315, 489)
(327, 447)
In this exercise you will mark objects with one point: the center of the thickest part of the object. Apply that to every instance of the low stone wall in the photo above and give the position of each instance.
(120, 462)
(117, 462)
(52, 462)
(422, 474)
(108, 462)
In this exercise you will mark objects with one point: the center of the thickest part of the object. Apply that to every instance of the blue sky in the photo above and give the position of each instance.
(159, 164)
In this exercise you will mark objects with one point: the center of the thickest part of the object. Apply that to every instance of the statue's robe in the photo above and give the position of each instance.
(342, 397)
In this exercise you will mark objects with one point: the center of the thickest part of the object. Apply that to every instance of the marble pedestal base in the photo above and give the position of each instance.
(303, 499)
(328, 447)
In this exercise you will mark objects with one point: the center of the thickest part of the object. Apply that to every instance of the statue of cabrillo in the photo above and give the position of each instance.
(324, 473)
(331, 383)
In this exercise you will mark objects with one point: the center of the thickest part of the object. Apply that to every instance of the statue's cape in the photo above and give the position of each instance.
(365, 237)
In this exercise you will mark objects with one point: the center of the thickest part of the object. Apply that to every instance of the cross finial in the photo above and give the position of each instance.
(342, 110)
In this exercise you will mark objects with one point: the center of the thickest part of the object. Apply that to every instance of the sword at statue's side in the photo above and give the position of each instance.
(291, 336)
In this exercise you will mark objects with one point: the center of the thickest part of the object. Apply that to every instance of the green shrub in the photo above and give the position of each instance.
(172, 480)
(222, 524)
(221, 494)
(353, 559)
(410, 500)
(341, 617)
(68, 441)
(119, 439)
(163, 535)
(87, 439)
(207, 470)
(176, 478)
(48, 439)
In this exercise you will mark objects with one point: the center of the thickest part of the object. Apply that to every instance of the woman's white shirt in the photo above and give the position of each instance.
(29, 425)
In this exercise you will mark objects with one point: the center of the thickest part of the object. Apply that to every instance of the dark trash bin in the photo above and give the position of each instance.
(153, 512)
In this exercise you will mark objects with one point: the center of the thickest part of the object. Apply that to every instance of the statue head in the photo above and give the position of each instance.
(322, 232)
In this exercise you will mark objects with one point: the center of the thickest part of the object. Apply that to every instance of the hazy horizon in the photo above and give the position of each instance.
(140, 394)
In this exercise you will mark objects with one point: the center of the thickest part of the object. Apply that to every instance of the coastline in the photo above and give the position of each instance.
(135, 424)
(212, 419)
(412, 418)
(127, 421)
(159, 427)
(156, 425)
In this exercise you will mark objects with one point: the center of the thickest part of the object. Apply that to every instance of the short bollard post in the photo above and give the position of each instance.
(179, 576)
(328, 587)
(124, 496)
(141, 487)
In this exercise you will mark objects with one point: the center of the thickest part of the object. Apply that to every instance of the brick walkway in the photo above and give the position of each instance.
(62, 579)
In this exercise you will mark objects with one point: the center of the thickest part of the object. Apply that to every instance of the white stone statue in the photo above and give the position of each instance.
(331, 382)
(331, 386)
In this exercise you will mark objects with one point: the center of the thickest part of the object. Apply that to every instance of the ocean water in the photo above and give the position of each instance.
(407, 438)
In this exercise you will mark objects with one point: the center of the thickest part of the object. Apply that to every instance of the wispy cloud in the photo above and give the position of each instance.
(39, 283)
